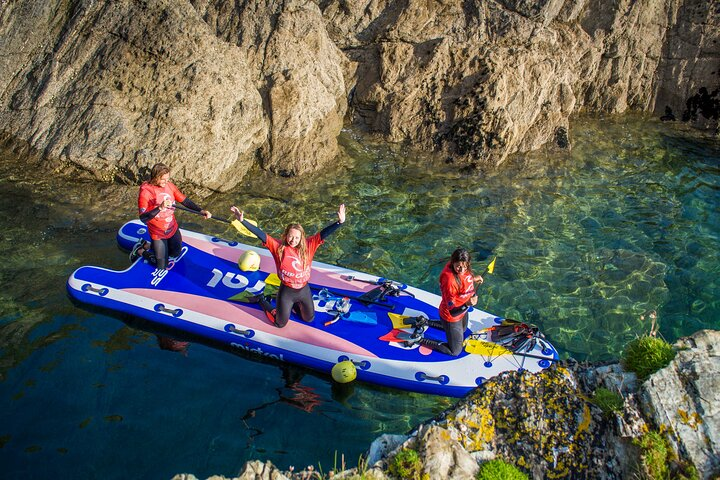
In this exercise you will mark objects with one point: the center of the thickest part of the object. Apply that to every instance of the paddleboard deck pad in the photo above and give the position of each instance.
(204, 293)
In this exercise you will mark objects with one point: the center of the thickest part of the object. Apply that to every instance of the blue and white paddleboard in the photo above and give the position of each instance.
(202, 293)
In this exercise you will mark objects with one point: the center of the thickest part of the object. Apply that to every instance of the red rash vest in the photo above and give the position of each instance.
(453, 294)
(163, 225)
(289, 269)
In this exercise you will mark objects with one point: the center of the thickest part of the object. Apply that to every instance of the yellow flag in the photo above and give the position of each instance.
(491, 267)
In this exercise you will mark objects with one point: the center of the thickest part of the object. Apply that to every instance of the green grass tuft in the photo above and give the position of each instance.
(406, 465)
(646, 355)
(659, 462)
(499, 470)
(608, 401)
(654, 453)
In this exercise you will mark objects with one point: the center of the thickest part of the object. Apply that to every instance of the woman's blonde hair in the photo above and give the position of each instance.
(302, 246)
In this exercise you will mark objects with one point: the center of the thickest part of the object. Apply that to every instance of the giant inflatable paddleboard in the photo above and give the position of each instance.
(370, 321)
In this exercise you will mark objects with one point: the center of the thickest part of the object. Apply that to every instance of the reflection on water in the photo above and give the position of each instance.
(587, 243)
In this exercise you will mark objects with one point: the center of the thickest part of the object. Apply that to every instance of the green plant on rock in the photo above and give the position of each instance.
(607, 400)
(406, 465)
(500, 470)
(654, 455)
(646, 355)
(659, 461)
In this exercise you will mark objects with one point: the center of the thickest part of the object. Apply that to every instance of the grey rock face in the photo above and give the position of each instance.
(684, 399)
(217, 87)
(482, 80)
(111, 88)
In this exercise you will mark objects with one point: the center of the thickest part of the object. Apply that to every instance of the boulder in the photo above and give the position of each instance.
(110, 88)
(481, 81)
(683, 399)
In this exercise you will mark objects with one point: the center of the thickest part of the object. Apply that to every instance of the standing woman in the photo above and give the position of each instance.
(155, 204)
(457, 287)
(293, 255)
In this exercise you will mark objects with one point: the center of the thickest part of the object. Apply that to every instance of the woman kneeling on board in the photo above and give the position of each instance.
(293, 255)
(457, 287)
(156, 202)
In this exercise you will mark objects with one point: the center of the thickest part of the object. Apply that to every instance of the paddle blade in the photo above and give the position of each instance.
(481, 347)
(242, 230)
(272, 279)
(245, 297)
(491, 267)
(270, 290)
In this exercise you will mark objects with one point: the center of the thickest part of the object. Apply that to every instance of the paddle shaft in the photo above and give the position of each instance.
(185, 209)
(536, 356)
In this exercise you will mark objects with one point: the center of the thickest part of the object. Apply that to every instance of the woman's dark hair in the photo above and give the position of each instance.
(460, 255)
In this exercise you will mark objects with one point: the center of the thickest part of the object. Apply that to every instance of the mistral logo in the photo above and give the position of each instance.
(159, 273)
(257, 350)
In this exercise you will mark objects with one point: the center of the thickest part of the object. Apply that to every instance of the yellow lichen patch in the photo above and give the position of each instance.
(563, 473)
(691, 420)
(587, 417)
(485, 428)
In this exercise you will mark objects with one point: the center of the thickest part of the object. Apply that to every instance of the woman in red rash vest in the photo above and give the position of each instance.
(155, 205)
(457, 287)
(293, 254)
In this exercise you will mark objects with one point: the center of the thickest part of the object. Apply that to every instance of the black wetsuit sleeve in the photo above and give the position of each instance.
(149, 215)
(258, 233)
(191, 205)
(327, 231)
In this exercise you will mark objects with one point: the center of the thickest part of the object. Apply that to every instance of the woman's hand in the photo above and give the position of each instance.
(473, 300)
(341, 213)
(206, 214)
(478, 279)
(167, 203)
(239, 214)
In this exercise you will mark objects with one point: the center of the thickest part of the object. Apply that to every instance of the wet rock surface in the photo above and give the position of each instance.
(547, 425)
(217, 88)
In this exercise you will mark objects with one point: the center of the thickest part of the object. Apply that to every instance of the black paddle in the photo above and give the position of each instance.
(238, 226)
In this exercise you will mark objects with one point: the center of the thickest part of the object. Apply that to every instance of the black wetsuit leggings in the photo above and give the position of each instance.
(288, 297)
(164, 248)
(455, 332)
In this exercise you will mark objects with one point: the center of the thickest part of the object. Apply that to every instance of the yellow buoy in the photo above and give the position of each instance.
(249, 261)
(344, 372)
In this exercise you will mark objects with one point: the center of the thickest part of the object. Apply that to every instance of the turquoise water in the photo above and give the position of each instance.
(588, 243)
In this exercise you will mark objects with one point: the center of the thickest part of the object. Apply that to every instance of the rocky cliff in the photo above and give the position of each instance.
(549, 424)
(482, 80)
(113, 87)
(216, 87)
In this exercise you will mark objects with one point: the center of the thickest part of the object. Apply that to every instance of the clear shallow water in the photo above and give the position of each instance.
(586, 241)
